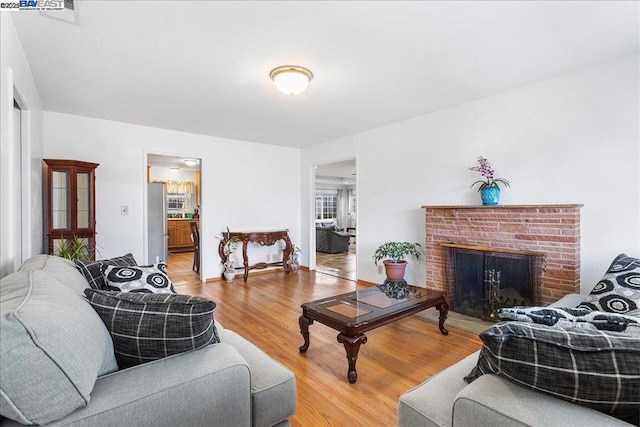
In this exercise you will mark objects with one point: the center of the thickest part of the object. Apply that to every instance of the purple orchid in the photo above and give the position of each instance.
(487, 172)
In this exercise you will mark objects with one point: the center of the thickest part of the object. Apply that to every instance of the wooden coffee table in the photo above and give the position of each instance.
(354, 313)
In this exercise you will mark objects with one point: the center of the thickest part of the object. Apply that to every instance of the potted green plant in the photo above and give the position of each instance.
(395, 253)
(75, 248)
(488, 188)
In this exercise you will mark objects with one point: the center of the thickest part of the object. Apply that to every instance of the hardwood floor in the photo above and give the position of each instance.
(180, 269)
(339, 265)
(397, 356)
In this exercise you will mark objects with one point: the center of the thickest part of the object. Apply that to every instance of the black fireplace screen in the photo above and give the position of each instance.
(481, 282)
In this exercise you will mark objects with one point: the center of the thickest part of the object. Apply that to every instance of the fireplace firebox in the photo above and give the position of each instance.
(483, 280)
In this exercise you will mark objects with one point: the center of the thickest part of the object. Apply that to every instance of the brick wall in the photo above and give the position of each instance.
(551, 229)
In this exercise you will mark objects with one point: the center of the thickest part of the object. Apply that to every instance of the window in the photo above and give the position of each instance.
(67, 14)
(326, 206)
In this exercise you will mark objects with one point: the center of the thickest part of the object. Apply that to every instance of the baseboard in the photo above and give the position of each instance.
(240, 273)
(366, 283)
(180, 250)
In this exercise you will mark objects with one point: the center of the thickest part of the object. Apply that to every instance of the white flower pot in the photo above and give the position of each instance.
(229, 275)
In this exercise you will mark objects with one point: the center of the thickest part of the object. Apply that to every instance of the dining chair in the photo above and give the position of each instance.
(195, 236)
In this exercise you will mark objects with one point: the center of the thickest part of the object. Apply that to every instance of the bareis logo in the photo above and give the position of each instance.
(41, 4)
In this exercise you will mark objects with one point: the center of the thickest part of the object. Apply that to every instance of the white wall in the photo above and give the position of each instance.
(16, 77)
(244, 185)
(571, 139)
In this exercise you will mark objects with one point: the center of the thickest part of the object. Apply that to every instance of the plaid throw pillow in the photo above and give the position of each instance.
(146, 327)
(145, 278)
(92, 270)
(619, 289)
(586, 366)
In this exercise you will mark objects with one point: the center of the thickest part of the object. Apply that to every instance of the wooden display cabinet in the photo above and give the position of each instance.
(69, 202)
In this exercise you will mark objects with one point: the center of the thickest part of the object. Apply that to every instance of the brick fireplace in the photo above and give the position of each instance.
(552, 230)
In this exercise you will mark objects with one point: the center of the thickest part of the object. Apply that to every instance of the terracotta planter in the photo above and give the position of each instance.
(395, 270)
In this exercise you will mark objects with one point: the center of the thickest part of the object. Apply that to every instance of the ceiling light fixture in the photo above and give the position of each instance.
(291, 79)
(191, 162)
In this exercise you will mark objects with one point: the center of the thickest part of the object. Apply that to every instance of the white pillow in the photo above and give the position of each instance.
(144, 278)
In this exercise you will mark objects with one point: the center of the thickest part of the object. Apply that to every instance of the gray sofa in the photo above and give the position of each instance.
(330, 241)
(57, 366)
(447, 400)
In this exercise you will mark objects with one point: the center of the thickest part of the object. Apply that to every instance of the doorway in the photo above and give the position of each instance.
(174, 193)
(335, 219)
(16, 234)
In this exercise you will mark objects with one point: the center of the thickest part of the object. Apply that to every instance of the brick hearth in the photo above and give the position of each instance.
(551, 229)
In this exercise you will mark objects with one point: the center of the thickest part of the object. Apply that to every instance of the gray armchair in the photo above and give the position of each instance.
(330, 241)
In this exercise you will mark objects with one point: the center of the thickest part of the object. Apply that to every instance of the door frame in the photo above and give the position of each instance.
(312, 209)
(145, 207)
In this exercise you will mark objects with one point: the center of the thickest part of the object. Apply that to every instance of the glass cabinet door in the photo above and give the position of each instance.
(60, 200)
(69, 206)
(84, 199)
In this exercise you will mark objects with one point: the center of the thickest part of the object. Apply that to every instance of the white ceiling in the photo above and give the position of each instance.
(345, 170)
(203, 66)
(171, 162)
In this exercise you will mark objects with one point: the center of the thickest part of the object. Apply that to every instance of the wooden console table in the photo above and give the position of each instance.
(264, 238)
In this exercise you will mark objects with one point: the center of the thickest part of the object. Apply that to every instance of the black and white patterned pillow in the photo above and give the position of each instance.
(143, 278)
(589, 367)
(619, 289)
(92, 270)
(577, 317)
(146, 327)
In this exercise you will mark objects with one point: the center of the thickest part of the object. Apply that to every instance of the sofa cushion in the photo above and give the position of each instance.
(495, 401)
(147, 327)
(273, 387)
(52, 348)
(92, 270)
(569, 317)
(145, 279)
(619, 289)
(586, 366)
(60, 268)
(67, 273)
(431, 403)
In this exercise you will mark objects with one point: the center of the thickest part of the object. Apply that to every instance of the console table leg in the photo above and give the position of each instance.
(286, 254)
(444, 309)
(245, 259)
(304, 323)
(352, 346)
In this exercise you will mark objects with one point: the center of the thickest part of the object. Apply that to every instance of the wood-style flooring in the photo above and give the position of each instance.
(396, 357)
(340, 265)
(180, 272)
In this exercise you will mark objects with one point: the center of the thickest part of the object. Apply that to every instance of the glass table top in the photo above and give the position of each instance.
(370, 301)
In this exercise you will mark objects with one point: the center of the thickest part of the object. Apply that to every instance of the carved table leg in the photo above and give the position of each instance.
(286, 254)
(245, 259)
(304, 323)
(444, 309)
(352, 346)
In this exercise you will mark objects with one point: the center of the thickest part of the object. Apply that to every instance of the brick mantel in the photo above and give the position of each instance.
(550, 229)
(505, 207)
